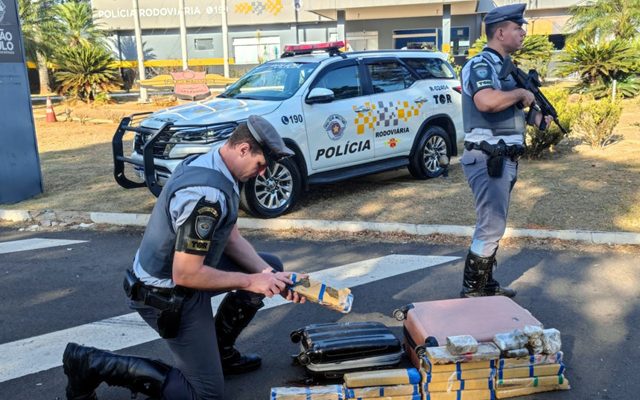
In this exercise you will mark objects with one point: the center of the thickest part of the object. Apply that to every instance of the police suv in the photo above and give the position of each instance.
(344, 114)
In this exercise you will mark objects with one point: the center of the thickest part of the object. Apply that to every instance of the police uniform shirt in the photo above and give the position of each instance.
(183, 203)
(478, 75)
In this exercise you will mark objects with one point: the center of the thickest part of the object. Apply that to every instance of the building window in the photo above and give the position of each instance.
(256, 50)
(203, 43)
(365, 40)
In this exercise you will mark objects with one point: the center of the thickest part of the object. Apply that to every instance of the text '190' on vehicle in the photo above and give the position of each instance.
(344, 114)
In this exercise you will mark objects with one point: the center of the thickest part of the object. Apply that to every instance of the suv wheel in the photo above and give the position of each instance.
(424, 162)
(274, 193)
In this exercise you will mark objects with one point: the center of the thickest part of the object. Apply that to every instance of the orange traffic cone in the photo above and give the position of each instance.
(51, 115)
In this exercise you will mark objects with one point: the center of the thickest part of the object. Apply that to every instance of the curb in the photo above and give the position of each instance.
(51, 218)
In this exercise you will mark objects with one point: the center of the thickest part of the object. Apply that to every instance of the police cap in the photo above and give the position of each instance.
(511, 12)
(268, 138)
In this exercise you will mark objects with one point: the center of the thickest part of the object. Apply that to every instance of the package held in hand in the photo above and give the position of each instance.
(318, 292)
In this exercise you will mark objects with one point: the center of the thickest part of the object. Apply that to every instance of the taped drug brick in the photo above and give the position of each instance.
(396, 376)
(328, 392)
(441, 355)
(461, 395)
(515, 392)
(531, 382)
(532, 371)
(536, 359)
(382, 391)
(427, 367)
(457, 375)
(462, 344)
(339, 300)
(452, 386)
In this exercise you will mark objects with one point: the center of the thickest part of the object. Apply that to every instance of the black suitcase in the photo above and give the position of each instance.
(332, 349)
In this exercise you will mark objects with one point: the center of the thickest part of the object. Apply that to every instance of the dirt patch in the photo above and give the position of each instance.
(575, 187)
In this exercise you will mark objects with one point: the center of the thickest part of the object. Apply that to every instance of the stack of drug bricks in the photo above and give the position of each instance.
(531, 362)
(463, 369)
(384, 384)
(516, 363)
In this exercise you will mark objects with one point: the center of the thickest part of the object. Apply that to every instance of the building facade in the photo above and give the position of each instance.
(259, 29)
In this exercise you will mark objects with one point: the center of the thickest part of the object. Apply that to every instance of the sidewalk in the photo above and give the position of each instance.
(50, 218)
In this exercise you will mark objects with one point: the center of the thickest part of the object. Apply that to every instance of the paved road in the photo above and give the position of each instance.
(53, 294)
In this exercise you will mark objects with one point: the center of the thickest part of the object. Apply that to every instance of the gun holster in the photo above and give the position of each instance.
(495, 165)
(167, 301)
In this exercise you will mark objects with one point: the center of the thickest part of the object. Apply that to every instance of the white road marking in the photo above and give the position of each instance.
(40, 353)
(33, 244)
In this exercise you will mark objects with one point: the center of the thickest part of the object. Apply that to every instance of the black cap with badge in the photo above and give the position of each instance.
(268, 138)
(511, 12)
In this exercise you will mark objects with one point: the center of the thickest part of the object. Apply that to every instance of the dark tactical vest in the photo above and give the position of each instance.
(158, 243)
(506, 122)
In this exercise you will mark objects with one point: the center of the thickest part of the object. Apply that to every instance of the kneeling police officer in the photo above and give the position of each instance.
(494, 123)
(191, 250)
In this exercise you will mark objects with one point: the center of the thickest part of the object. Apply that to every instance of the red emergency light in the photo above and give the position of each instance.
(292, 49)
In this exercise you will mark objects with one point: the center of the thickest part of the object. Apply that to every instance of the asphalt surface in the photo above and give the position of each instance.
(591, 297)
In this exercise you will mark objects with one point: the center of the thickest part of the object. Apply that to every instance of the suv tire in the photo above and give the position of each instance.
(424, 161)
(274, 193)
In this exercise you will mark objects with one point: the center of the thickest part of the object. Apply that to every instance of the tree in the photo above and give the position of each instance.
(39, 27)
(77, 26)
(602, 19)
(598, 64)
(84, 71)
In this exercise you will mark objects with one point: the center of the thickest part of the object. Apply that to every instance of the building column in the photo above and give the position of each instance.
(340, 25)
(446, 28)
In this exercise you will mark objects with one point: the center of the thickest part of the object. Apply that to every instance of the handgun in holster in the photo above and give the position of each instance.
(495, 159)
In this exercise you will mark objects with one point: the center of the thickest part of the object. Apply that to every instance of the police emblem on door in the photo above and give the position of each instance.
(334, 126)
(204, 226)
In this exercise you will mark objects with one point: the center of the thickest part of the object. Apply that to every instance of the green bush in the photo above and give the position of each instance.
(539, 141)
(596, 121)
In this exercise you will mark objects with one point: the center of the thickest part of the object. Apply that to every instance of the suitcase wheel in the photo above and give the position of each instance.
(401, 313)
(431, 341)
(296, 336)
(398, 314)
(303, 359)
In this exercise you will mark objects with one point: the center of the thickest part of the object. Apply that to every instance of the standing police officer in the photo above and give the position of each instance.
(494, 123)
(191, 250)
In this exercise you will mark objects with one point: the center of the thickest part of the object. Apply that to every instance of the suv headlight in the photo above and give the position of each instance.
(192, 140)
(203, 135)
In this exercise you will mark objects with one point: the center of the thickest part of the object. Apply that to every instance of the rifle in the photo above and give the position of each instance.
(531, 82)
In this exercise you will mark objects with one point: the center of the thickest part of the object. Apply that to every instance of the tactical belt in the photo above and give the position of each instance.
(156, 297)
(500, 149)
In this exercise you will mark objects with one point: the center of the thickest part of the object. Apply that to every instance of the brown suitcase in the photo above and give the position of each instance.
(429, 323)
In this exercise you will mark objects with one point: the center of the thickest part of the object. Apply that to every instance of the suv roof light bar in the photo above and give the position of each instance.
(332, 48)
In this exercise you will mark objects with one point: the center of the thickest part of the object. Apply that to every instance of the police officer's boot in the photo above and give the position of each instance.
(476, 275)
(234, 314)
(87, 367)
(493, 287)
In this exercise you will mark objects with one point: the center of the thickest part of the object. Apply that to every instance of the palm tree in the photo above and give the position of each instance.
(84, 71)
(39, 27)
(603, 18)
(78, 28)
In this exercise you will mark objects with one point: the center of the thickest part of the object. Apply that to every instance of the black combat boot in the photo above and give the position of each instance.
(87, 367)
(476, 275)
(493, 287)
(234, 314)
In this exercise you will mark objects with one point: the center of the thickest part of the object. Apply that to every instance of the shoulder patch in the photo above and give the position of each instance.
(481, 69)
(196, 233)
(207, 216)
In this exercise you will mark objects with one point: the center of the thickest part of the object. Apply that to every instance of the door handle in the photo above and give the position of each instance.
(362, 109)
(421, 100)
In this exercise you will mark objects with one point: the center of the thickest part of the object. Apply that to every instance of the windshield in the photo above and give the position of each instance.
(271, 81)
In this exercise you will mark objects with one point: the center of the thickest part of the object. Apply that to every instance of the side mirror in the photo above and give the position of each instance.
(320, 95)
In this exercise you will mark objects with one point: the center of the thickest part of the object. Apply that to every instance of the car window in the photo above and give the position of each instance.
(344, 82)
(389, 76)
(271, 81)
(431, 68)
